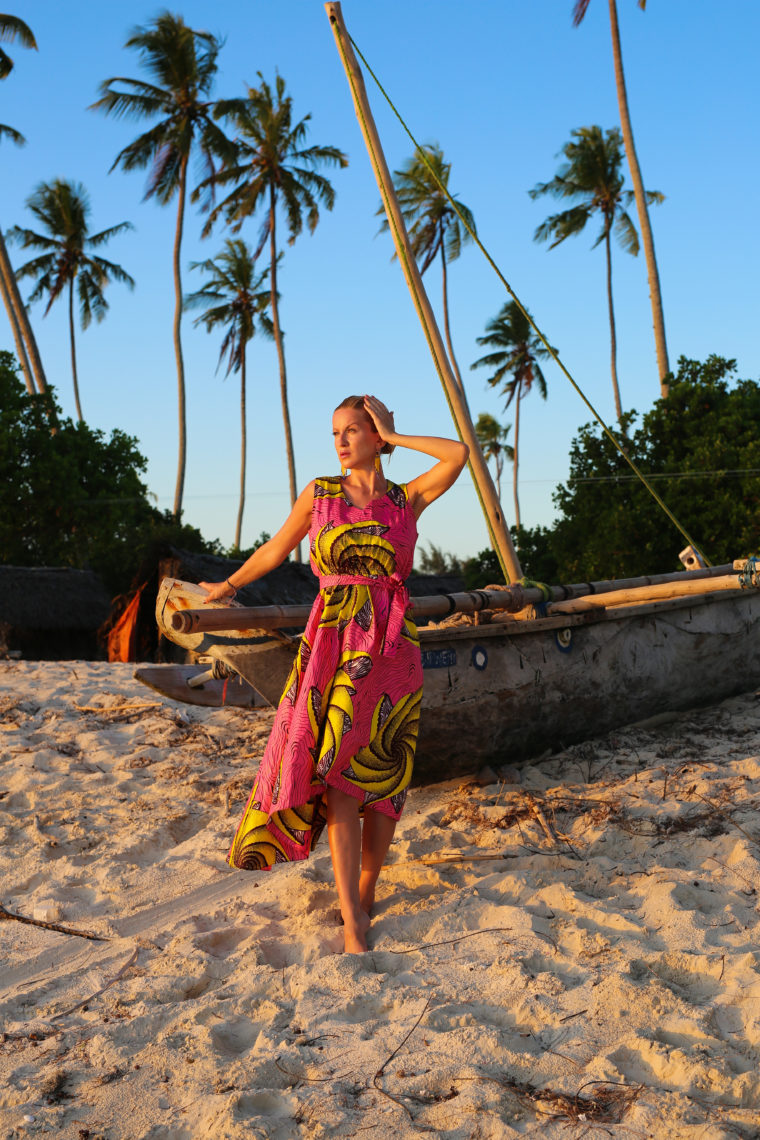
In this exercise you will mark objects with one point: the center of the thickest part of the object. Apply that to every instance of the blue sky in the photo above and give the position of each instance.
(499, 85)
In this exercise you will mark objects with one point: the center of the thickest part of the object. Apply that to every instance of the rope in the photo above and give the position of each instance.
(750, 575)
(552, 352)
(401, 249)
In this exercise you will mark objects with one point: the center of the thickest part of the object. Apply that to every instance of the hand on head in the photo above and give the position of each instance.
(383, 419)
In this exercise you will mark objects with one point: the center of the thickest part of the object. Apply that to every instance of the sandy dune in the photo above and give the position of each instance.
(577, 954)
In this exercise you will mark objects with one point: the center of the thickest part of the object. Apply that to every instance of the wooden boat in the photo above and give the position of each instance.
(594, 657)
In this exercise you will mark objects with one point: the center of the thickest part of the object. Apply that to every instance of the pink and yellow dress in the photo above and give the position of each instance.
(349, 714)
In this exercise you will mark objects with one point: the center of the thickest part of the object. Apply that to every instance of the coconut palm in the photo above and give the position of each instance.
(274, 168)
(63, 208)
(434, 225)
(182, 64)
(655, 295)
(12, 28)
(592, 179)
(492, 437)
(236, 299)
(517, 350)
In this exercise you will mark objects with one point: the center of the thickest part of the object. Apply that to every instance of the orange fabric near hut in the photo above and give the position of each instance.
(122, 639)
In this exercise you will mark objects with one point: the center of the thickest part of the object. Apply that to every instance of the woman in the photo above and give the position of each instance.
(346, 726)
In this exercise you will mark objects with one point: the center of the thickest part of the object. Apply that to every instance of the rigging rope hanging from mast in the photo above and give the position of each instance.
(552, 352)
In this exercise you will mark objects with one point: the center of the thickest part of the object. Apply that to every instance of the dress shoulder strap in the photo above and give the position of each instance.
(327, 487)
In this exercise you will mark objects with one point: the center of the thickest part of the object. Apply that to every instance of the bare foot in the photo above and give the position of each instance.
(355, 933)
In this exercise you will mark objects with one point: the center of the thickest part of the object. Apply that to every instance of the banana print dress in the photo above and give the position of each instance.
(349, 714)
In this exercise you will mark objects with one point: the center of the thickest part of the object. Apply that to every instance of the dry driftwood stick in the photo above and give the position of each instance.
(110, 982)
(460, 858)
(107, 710)
(541, 818)
(4, 913)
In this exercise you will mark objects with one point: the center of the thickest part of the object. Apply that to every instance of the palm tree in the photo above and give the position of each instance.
(592, 179)
(234, 297)
(492, 437)
(12, 28)
(273, 167)
(434, 225)
(182, 64)
(63, 209)
(579, 11)
(517, 352)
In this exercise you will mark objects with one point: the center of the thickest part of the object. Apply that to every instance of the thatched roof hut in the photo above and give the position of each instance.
(51, 613)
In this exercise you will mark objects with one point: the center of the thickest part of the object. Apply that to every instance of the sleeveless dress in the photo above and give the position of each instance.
(349, 714)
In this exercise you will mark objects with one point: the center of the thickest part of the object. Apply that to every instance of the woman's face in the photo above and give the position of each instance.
(356, 440)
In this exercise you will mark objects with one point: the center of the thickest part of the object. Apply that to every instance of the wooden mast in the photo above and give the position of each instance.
(489, 500)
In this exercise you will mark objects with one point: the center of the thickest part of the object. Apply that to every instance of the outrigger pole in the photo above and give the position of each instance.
(484, 486)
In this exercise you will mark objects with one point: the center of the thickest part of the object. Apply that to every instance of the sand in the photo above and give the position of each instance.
(576, 954)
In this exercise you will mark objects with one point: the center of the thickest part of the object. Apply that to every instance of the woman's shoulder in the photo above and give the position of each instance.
(328, 487)
(398, 493)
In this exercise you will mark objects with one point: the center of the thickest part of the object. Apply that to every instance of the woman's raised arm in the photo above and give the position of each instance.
(450, 453)
(271, 553)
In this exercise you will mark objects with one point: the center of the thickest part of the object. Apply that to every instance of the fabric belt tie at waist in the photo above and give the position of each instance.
(399, 601)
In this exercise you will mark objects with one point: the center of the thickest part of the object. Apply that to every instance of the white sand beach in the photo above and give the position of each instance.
(575, 954)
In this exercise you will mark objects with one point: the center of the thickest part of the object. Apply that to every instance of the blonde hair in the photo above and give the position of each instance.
(357, 402)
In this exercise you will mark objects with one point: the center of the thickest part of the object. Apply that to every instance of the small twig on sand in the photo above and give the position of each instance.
(539, 815)
(51, 926)
(752, 890)
(110, 982)
(451, 941)
(311, 1080)
(388, 1060)
(725, 814)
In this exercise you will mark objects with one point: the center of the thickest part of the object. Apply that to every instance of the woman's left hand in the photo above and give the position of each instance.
(382, 417)
(218, 591)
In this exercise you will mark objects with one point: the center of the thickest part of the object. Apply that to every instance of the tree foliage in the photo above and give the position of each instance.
(73, 497)
(701, 450)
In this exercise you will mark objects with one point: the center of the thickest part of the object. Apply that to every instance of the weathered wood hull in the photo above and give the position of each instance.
(507, 691)
(495, 696)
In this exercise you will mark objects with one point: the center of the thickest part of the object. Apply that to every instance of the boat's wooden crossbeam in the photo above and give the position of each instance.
(512, 599)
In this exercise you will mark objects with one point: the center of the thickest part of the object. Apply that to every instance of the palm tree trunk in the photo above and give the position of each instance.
(499, 465)
(179, 489)
(80, 417)
(243, 442)
(446, 328)
(613, 334)
(22, 317)
(281, 357)
(23, 359)
(517, 454)
(653, 276)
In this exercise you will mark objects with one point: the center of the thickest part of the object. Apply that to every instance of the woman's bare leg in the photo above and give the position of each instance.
(344, 836)
(376, 839)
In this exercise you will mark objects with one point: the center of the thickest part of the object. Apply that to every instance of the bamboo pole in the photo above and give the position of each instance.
(659, 592)
(486, 491)
(567, 599)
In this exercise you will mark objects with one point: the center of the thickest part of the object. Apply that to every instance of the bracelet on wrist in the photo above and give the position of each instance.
(233, 588)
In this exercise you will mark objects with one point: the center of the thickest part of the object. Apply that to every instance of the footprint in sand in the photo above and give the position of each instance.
(233, 1037)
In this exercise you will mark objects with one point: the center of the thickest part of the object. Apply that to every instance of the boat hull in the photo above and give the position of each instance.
(496, 697)
(507, 691)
